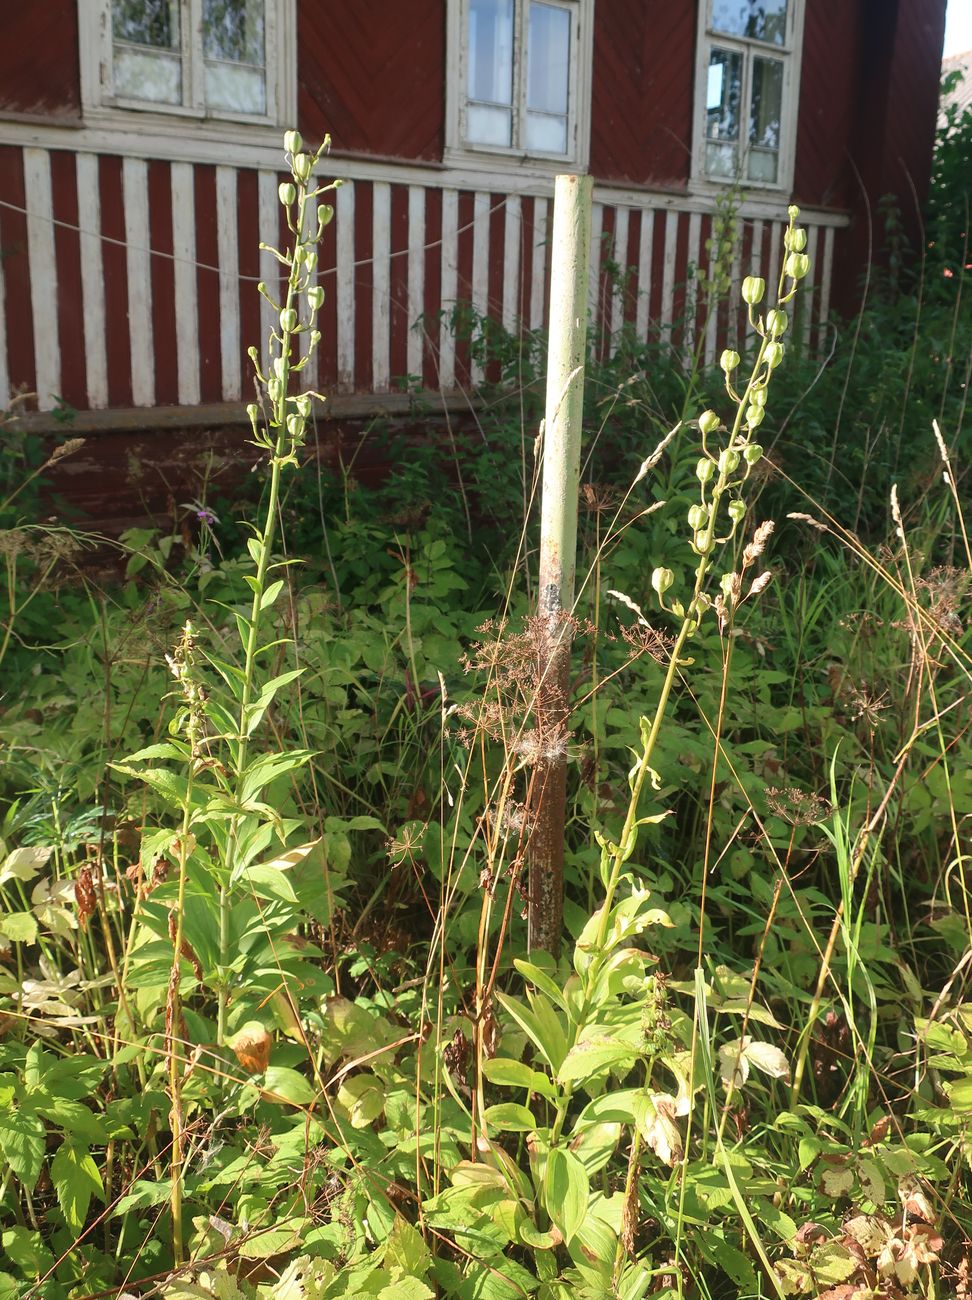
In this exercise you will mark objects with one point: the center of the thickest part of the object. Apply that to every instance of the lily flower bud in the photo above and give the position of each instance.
(709, 422)
(753, 288)
(661, 580)
(797, 265)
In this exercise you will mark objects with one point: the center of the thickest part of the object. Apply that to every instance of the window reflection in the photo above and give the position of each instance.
(756, 20)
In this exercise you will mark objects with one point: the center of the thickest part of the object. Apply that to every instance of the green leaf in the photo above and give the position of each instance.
(22, 1141)
(566, 1191)
(268, 881)
(267, 768)
(280, 1083)
(364, 1098)
(960, 1093)
(26, 1249)
(271, 593)
(76, 1179)
(24, 863)
(543, 1030)
(276, 1240)
(407, 1288)
(406, 1251)
(594, 1056)
(508, 1117)
(19, 927)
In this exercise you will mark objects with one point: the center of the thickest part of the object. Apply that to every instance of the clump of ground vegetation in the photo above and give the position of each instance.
(270, 1026)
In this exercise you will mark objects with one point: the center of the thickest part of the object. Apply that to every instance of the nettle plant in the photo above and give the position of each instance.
(225, 923)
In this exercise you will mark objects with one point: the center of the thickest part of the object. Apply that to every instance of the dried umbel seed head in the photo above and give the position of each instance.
(292, 142)
(286, 193)
(753, 289)
(776, 322)
(661, 580)
(709, 422)
(729, 361)
(797, 265)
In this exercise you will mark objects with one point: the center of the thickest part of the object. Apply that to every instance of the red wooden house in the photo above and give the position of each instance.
(140, 142)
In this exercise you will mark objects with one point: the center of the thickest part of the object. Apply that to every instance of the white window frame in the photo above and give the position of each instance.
(101, 107)
(486, 157)
(790, 54)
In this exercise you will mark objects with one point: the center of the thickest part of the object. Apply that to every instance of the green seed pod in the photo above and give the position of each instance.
(292, 141)
(698, 517)
(793, 212)
(729, 361)
(795, 240)
(757, 396)
(709, 422)
(288, 320)
(737, 511)
(753, 288)
(310, 260)
(752, 453)
(302, 163)
(324, 214)
(661, 580)
(295, 427)
(286, 193)
(797, 265)
(725, 584)
(253, 412)
(303, 404)
(776, 322)
(728, 461)
(754, 415)
(315, 297)
(274, 389)
(773, 354)
(704, 470)
(703, 543)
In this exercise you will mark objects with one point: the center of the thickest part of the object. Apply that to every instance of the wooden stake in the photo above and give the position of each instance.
(566, 357)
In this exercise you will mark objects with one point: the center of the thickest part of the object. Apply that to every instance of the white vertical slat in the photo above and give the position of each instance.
(735, 285)
(450, 287)
(826, 276)
(227, 234)
(645, 254)
(692, 284)
(668, 273)
(808, 290)
(416, 278)
(480, 270)
(756, 266)
(186, 287)
(621, 260)
(381, 286)
(773, 270)
(4, 369)
(594, 281)
(268, 225)
(712, 303)
(344, 218)
(43, 276)
(92, 282)
(539, 263)
(138, 265)
(512, 240)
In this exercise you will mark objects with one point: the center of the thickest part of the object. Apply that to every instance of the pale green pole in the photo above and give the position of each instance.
(561, 444)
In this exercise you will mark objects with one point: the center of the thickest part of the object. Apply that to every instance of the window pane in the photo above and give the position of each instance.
(548, 56)
(722, 104)
(491, 51)
(759, 20)
(487, 124)
(765, 113)
(546, 133)
(146, 22)
(233, 31)
(146, 55)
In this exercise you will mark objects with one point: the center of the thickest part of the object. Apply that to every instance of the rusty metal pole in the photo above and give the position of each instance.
(566, 358)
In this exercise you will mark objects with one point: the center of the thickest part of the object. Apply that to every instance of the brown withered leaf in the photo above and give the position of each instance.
(84, 895)
(251, 1046)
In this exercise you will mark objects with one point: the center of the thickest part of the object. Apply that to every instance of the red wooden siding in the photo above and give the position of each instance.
(39, 72)
(641, 107)
(829, 82)
(373, 75)
(154, 301)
